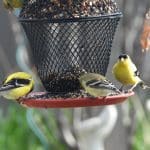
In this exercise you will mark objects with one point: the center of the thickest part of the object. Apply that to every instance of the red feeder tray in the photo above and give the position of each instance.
(72, 102)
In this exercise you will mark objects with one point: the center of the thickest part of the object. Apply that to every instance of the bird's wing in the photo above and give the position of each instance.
(101, 84)
(136, 72)
(14, 83)
(133, 67)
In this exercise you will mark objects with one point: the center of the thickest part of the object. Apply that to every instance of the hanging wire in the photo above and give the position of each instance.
(34, 127)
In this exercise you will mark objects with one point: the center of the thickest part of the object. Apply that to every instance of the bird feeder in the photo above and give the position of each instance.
(68, 38)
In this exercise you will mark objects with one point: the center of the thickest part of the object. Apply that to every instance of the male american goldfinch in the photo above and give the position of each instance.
(97, 85)
(17, 85)
(11, 4)
(126, 72)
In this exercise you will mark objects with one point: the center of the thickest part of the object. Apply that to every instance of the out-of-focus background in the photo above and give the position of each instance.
(44, 129)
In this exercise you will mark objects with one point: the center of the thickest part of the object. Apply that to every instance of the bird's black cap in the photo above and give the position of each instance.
(124, 56)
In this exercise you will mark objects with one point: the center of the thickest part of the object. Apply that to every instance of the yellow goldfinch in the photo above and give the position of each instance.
(17, 85)
(97, 85)
(126, 72)
(11, 4)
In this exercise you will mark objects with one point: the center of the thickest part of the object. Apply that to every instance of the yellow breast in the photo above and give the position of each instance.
(15, 94)
(125, 74)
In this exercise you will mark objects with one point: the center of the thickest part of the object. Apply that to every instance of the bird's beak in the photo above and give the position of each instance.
(122, 59)
(9, 86)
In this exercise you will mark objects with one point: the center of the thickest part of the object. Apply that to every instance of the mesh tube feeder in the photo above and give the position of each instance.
(67, 38)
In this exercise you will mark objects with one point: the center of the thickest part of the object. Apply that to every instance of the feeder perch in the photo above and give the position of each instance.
(43, 102)
(68, 38)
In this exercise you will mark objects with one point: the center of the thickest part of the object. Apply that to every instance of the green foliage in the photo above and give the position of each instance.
(47, 123)
(141, 139)
(15, 133)
(138, 141)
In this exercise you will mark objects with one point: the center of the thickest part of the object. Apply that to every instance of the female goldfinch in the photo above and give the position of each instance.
(97, 85)
(11, 4)
(17, 85)
(126, 72)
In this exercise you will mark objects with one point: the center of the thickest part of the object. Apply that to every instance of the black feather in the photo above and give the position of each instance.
(14, 83)
(137, 73)
(105, 84)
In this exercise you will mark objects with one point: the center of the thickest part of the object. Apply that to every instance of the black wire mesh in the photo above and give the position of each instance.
(64, 46)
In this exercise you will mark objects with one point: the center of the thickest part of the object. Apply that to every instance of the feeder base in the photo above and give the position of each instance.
(32, 101)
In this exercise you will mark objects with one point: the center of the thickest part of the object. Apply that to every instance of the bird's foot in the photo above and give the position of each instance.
(121, 88)
(130, 90)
